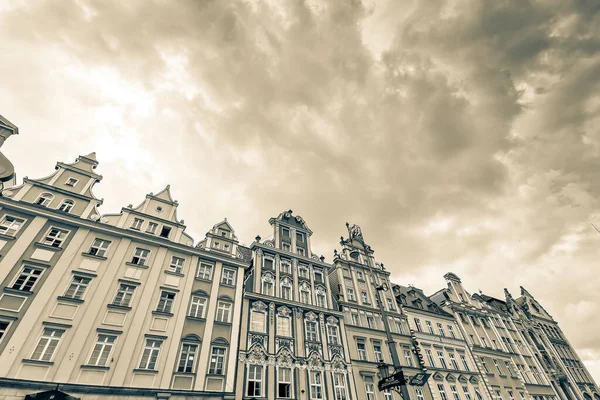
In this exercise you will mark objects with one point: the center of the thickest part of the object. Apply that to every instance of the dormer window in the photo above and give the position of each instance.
(318, 276)
(66, 205)
(300, 237)
(45, 199)
(165, 232)
(151, 227)
(137, 224)
(285, 232)
(72, 182)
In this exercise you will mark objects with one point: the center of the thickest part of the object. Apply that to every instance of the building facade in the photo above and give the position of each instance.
(127, 306)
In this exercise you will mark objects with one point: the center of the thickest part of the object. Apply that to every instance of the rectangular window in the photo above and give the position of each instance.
(301, 251)
(47, 345)
(137, 223)
(27, 278)
(429, 327)
(124, 295)
(371, 322)
(176, 265)
(361, 349)
(267, 287)
(498, 395)
(99, 247)
(77, 287)
(71, 182)
(441, 329)
(355, 319)
(418, 325)
(360, 276)
(257, 321)
(150, 354)
(332, 334)
(197, 307)
(430, 357)
(478, 395)
(451, 331)
(390, 304)
(304, 296)
(339, 386)
(311, 331)
(102, 350)
(497, 366)
(303, 272)
(217, 361)
(165, 232)
(268, 263)
(223, 311)
(165, 303)
(55, 237)
(255, 378)
(377, 351)
(442, 391)
(369, 387)
(408, 358)
(453, 361)
(485, 367)
(420, 394)
(320, 297)
(300, 237)
(466, 392)
(284, 383)
(351, 296)
(286, 246)
(3, 328)
(285, 268)
(509, 368)
(316, 385)
(285, 232)
(205, 271)
(318, 276)
(387, 395)
(151, 228)
(187, 357)
(463, 358)
(10, 225)
(228, 277)
(286, 292)
(284, 326)
(454, 392)
(364, 297)
(442, 359)
(140, 256)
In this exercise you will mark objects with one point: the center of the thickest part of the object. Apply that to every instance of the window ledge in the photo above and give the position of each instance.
(118, 307)
(90, 366)
(228, 285)
(70, 299)
(174, 273)
(219, 375)
(93, 256)
(137, 265)
(223, 323)
(37, 362)
(203, 280)
(7, 237)
(166, 314)
(16, 291)
(152, 371)
(47, 247)
(200, 319)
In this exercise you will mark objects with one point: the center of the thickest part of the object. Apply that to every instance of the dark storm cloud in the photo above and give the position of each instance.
(462, 135)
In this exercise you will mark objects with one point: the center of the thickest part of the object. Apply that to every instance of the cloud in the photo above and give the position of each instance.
(460, 134)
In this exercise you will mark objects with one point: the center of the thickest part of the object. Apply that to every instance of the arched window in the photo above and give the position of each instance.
(45, 199)
(268, 284)
(286, 288)
(321, 297)
(188, 353)
(305, 293)
(66, 205)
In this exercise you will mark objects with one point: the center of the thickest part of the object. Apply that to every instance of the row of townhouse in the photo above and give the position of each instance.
(128, 306)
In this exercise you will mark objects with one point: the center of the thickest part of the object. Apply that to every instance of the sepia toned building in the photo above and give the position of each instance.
(293, 344)
(127, 306)
(118, 301)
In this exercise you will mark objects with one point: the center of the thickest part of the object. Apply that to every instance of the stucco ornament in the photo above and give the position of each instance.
(314, 362)
(259, 306)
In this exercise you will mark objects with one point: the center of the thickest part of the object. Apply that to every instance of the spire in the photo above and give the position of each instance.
(524, 292)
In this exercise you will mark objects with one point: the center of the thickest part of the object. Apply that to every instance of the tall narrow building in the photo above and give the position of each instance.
(292, 344)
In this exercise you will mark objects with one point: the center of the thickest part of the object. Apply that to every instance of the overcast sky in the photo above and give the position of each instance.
(461, 135)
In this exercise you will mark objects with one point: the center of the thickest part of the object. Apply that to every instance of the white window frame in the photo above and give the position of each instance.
(301, 252)
(79, 288)
(49, 197)
(310, 334)
(142, 257)
(377, 353)
(289, 381)
(101, 347)
(315, 379)
(137, 224)
(351, 294)
(151, 228)
(214, 360)
(27, 277)
(55, 239)
(4, 330)
(198, 303)
(177, 264)
(8, 227)
(203, 269)
(333, 336)
(66, 205)
(99, 249)
(362, 352)
(289, 291)
(151, 352)
(340, 391)
(186, 362)
(225, 278)
(281, 322)
(369, 387)
(258, 321)
(166, 301)
(256, 376)
(223, 309)
(52, 337)
(125, 294)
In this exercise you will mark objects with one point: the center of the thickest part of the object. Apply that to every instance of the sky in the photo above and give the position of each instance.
(461, 135)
